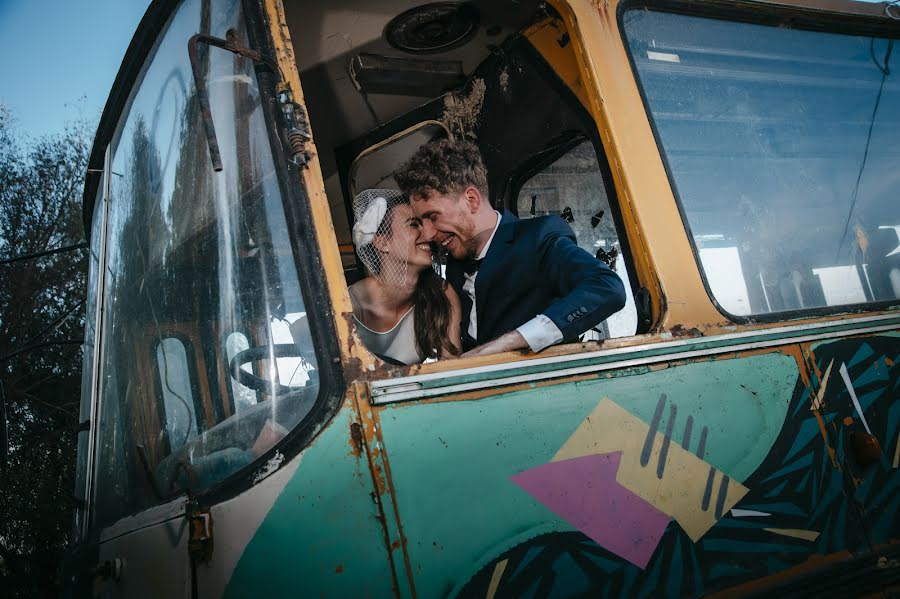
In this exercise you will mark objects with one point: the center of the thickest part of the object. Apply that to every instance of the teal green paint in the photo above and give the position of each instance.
(803, 462)
(451, 461)
(450, 465)
(323, 521)
(816, 346)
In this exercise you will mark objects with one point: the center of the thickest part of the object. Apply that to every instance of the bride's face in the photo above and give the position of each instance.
(406, 243)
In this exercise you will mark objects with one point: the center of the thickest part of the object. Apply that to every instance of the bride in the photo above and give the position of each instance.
(404, 311)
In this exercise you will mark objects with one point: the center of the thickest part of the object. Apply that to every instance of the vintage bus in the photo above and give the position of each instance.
(734, 430)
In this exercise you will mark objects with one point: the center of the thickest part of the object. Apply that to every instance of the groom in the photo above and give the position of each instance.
(522, 283)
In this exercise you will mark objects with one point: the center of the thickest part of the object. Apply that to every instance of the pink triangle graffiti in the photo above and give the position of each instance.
(583, 491)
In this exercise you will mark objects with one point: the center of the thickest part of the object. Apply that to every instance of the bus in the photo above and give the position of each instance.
(733, 431)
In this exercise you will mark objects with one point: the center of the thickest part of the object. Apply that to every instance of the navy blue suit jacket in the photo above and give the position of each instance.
(534, 266)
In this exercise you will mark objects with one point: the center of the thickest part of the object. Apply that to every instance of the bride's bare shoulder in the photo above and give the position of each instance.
(362, 296)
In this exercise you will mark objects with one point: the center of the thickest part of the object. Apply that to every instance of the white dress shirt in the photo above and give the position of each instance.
(539, 332)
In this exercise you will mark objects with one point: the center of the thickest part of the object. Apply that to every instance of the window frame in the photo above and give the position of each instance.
(770, 15)
(295, 201)
(557, 149)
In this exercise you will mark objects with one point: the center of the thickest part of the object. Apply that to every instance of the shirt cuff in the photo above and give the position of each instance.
(540, 332)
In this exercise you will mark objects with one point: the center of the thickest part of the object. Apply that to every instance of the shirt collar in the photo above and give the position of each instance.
(487, 246)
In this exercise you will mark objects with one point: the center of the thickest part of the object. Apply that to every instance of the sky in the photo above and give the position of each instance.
(61, 58)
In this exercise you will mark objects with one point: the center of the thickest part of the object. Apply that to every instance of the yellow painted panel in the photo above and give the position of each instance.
(651, 215)
(315, 188)
(545, 36)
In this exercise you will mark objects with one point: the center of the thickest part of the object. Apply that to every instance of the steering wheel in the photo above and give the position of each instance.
(263, 352)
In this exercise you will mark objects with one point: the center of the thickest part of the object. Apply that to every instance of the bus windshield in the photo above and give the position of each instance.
(206, 359)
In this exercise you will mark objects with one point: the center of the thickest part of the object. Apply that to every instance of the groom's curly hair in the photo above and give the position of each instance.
(444, 166)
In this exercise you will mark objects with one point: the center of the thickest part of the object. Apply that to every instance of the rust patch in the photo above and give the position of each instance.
(832, 454)
(798, 355)
(680, 331)
(356, 439)
(339, 569)
(381, 476)
(368, 433)
(356, 369)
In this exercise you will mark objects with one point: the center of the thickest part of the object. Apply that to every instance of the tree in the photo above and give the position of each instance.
(41, 305)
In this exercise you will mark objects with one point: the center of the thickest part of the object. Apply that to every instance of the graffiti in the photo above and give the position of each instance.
(584, 492)
(620, 481)
(618, 477)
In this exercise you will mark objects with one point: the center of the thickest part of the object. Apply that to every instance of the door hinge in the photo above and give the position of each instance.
(296, 128)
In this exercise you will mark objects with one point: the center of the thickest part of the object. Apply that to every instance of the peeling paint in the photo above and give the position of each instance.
(680, 331)
(356, 439)
(271, 466)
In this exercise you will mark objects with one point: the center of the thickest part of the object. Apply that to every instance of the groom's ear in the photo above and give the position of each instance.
(473, 198)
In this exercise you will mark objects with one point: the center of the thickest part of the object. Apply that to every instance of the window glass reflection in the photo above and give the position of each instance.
(781, 145)
(200, 274)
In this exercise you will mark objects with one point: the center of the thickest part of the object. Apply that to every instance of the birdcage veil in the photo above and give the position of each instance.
(370, 207)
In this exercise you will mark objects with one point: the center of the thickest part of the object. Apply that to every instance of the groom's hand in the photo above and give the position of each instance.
(510, 341)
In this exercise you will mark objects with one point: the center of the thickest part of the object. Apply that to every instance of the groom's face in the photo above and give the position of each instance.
(448, 220)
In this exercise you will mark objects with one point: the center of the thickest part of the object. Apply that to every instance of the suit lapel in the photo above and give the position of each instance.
(491, 265)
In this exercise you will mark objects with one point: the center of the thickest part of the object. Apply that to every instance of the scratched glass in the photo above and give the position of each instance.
(781, 145)
(195, 258)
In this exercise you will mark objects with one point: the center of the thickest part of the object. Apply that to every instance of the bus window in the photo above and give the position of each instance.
(572, 185)
(375, 167)
(789, 193)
